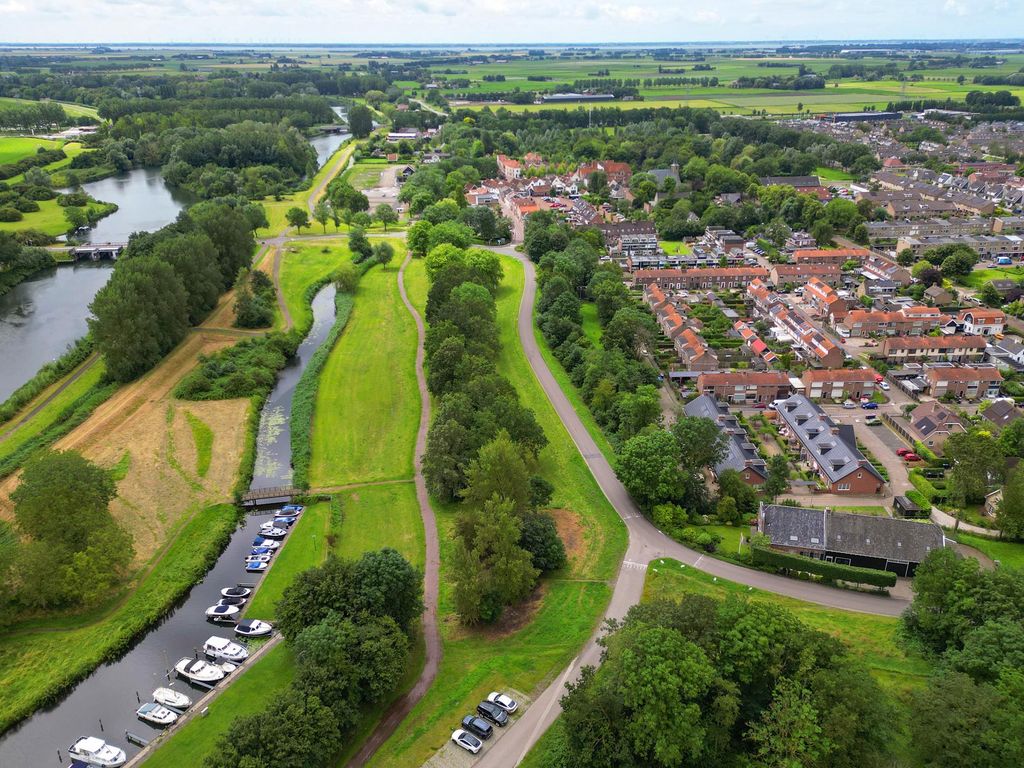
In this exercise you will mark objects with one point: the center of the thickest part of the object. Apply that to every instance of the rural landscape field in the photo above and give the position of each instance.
(562, 404)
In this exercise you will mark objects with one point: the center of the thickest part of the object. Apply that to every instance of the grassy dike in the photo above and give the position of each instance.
(531, 649)
(354, 521)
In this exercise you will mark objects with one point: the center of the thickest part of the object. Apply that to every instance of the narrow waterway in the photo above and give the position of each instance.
(104, 704)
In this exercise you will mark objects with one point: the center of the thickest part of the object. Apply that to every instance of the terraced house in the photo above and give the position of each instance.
(714, 278)
(909, 321)
(839, 383)
(745, 387)
(830, 449)
(741, 455)
(957, 348)
(979, 322)
(825, 301)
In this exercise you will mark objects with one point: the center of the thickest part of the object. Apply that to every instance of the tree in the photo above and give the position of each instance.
(139, 316)
(701, 444)
(637, 410)
(727, 510)
(1010, 512)
(989, 296)
(788, 734)
(231, 234)
(732, 485)
(385, 214)
(359, 245)
(977, 464)
(822, 232)
(630, 330)
(383, 253)
(76, 218)
(360, 121)
(418, 238)
(1011, 439)
(500, 471)
(539, 537)
(298, 218)
(648, 465)
(194, 259)
(926, 273)
(321, 213)
(777, 481)
(346, 277)
(384, 583)
(256, 216)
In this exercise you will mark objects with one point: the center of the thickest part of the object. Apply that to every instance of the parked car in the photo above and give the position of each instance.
(503, 700)
(849, 404)
(873, 421)
(467, 740)
(884, 385)
(903, 451)
(869, 406)
(911, 457)
(479, 728)
(879, 378)
(760, 406)
(490, 711)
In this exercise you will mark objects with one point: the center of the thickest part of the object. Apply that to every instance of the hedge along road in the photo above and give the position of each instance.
(646, 544)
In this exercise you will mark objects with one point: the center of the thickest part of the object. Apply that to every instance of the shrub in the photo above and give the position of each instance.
(246, 369)
(10, 213)
(830, 571)
(702, 539)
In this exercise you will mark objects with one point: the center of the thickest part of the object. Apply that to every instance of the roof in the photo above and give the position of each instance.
(963, 374)
(852, 534)
(833, 447)
(740, 454)
(772, 378)
(830, 253)
(953, 341)
(838, 374)
(982, 315)
(1002, 413)
(800, 270)
(933, 415)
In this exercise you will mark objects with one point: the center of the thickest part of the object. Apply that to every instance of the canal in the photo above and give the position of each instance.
(104, 703)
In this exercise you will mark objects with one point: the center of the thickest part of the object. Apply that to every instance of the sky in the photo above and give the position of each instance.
(500, 21)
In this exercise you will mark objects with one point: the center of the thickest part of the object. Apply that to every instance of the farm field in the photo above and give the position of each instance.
(533, 643)
(367, 408)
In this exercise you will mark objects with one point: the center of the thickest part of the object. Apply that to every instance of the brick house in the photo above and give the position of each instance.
(745, 387)
(713, 278)
(839, 383)
(835, 256)
(910, 321)
(754, 344)
(798, 274)
(974, 383)
(930, 423)
(980, 322)
(509, 168)
(957, 348)
(741, 454)
(617, 173)
(830, 449)
(815, 347)
(694, 352)
(826, 302)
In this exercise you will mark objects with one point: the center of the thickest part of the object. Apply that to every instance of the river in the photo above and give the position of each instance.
(104, 703)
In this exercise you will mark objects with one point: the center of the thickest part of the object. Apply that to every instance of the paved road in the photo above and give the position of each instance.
(646, 544)
(398, 711)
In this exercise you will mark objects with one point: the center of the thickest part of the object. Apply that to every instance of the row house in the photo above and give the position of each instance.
(714, 278)
(987, 246)
(836, 256)
(956, 348)
(829, 448)
(967, 383)
(616, 172)
(909, 321)
(878, 267)
(761, 296)
(798, 274)
(745, 387)
(814, 346)
(933, 227)
(754, 344)
(978, 322)
(509, 168)
(839, 383)
(694, 352)
(825, 301)
(740, 453)
(637, 240)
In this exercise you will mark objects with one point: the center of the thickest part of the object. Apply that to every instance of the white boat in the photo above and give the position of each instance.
(222, 649)
(169, 697)
(271, 531)
(93, 751)
(222, 612)
(235, 592)
(260, 541)
(253, 628)
(156, 714)
(198, 671)
(257, 558)
(256, 567)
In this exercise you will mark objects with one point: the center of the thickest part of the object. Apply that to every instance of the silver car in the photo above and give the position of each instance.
(467, 741)
(503, 700)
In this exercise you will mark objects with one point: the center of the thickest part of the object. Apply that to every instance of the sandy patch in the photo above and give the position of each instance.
(570, 531)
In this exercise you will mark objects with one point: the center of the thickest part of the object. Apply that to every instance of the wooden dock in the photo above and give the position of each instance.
(269, 496)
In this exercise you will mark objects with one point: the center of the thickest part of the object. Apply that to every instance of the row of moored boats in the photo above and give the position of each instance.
(223, 656)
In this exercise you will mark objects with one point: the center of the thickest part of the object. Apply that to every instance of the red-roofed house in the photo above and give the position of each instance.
(797, 274)
(745, 386)
(695, 352)
(839, 383)
(837, 256)
(617, 172)
(981, 322)
(969, 383)
(956, 348)
(509, 168)
(825, 301)
(694, 279)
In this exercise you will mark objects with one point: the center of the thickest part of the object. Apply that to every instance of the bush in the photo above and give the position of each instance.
(830, 571)
(9, 213)
(73, 199)
(246, 369)
(919, 498)
(931, 493)
(701, 539)
(25, 205)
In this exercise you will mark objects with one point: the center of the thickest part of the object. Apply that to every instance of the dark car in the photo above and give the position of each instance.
(869, 406)
(492, 712)
(477, 727)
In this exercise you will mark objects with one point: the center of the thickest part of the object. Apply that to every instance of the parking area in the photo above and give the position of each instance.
(386, 189)
(881, 441)
(452, 756)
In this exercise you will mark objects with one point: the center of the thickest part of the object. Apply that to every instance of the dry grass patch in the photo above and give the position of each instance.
(571, 532)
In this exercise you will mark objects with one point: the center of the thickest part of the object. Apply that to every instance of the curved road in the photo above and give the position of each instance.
(646, 543)
(398, 711)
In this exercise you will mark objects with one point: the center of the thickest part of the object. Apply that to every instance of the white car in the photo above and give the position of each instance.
(93, 751)
(503, 700)
(222, 649)
(884, 385)
(467, 741)
(849, 404)
(198, 671)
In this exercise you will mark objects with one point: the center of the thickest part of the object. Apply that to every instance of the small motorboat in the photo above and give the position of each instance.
(93, 751)
(260, 541)
(257, 558)
(262, 551)
(155, 714)
(273, 533)
(292, 509)
(222, 649)
(169, 697)
(222, 612)
(256, 567)
(235, 592)
(199, 671)
(286, 520)
(253, 628)
(231, 601)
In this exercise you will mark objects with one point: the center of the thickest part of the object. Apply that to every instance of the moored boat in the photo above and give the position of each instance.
(222, 649)
(156, 714)
(169, 697)
(235, 592)
(94, 751)
(253, 628)
(198, 671)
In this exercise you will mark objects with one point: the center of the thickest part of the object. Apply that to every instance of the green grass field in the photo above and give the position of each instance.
(49, 219)
(529, 652)
(675, 247)
(367, 407)
(1008, 553)
(39, 423)
(591, 325)
(832, 174)
(73, 110)
(14, 148)
(979, 277)
(42, 657)
(303, 265)
(381, 516)
(245, 696)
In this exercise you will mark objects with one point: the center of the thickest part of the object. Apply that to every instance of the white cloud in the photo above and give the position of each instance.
(954, 8)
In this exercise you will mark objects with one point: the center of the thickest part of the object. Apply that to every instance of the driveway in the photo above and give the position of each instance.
(881, 441)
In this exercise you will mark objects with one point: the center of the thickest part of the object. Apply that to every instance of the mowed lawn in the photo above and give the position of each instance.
(303, 265)
(1009, 553)
(978, 277)
(536, 642)
(367, 406)
(378, 516)
(14, 148)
